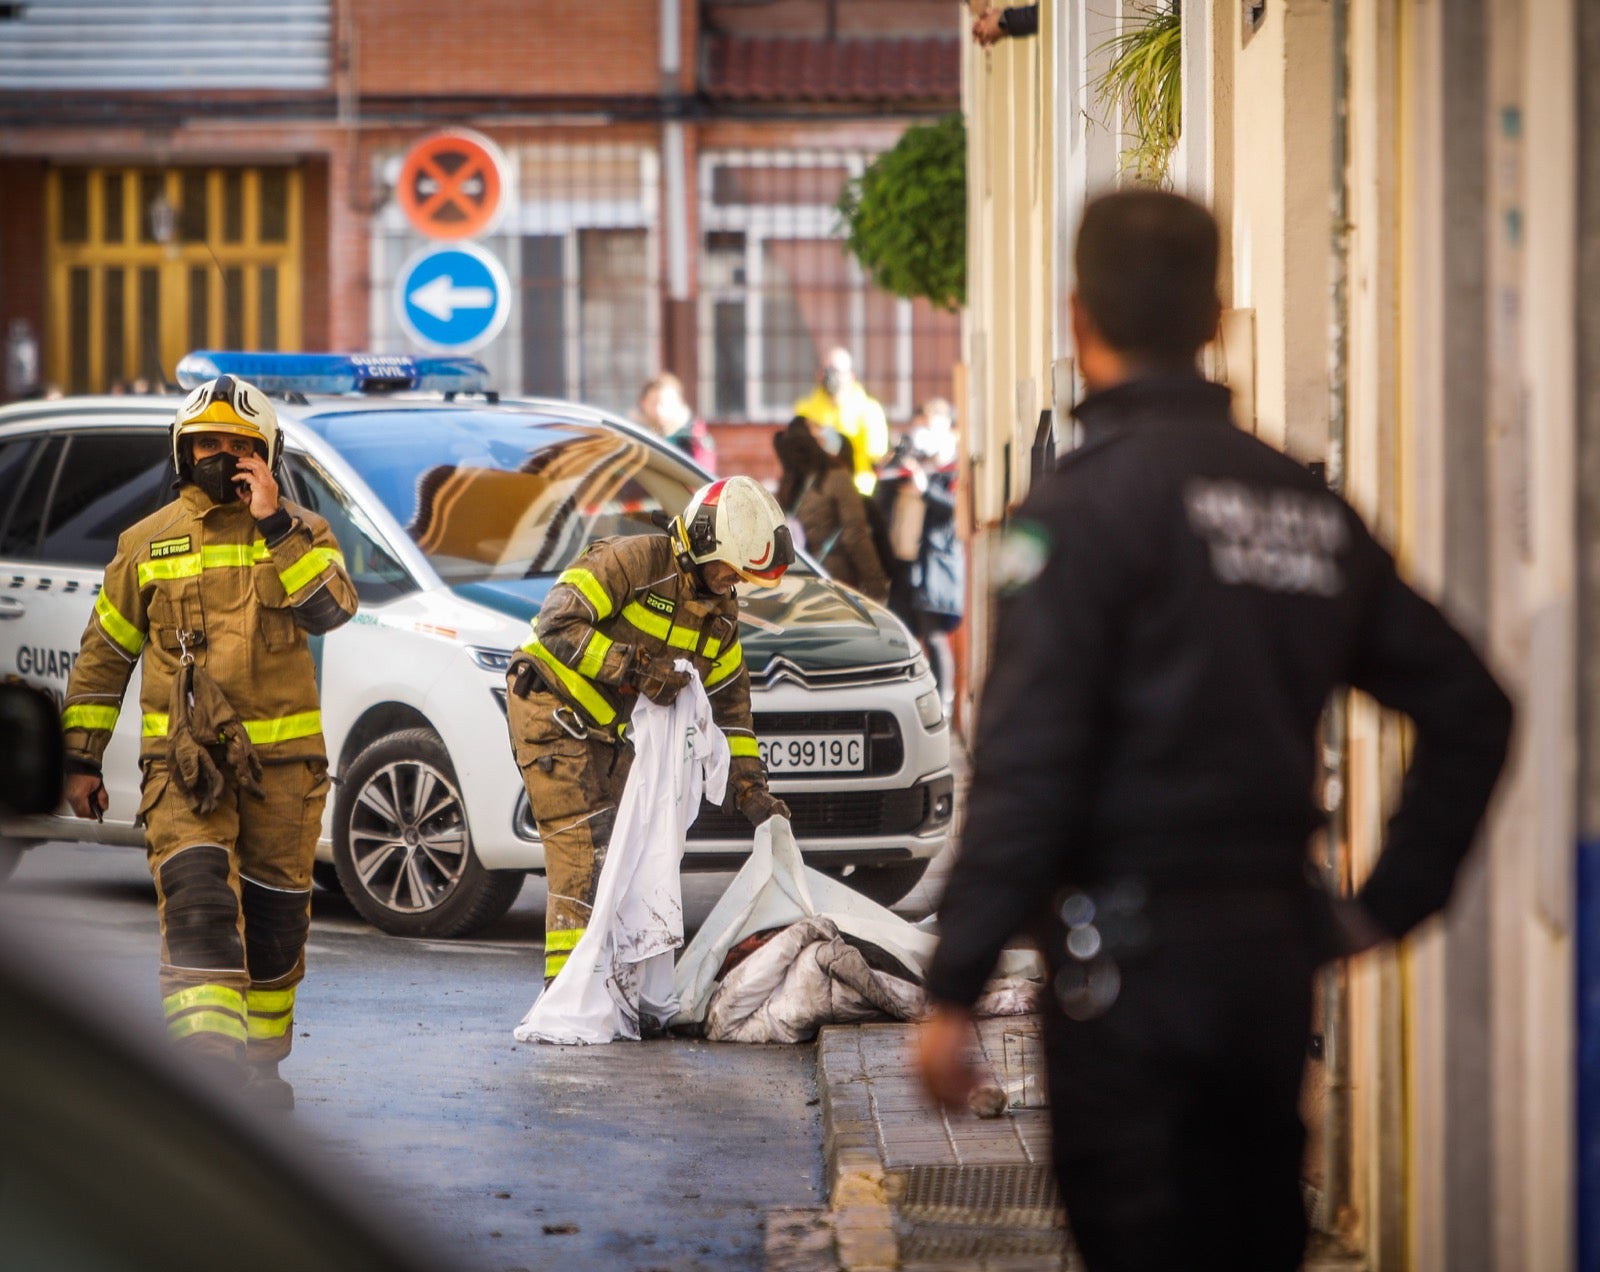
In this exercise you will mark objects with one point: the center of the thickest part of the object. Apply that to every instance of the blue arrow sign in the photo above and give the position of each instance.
(453, 297)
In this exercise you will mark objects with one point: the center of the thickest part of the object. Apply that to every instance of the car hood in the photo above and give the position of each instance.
(814, 624)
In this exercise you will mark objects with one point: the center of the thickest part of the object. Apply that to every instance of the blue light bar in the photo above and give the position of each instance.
(336, 372)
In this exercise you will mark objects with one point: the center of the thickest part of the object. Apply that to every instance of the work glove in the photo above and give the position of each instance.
(202, 718)
(655, 677)
(761, 804)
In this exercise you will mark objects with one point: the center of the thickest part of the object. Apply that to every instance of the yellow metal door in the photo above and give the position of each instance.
(146, 264)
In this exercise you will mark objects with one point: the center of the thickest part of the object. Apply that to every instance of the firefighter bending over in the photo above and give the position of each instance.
(611, 628)
(214, 595)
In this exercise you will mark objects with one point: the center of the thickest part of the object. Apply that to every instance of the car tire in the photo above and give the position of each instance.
(402, 847)
(884, 884)
(11, 851)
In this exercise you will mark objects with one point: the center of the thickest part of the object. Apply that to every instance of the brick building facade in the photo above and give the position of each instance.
(671, 168)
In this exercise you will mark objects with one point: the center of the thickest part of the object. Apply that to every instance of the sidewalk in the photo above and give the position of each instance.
(915, 1189)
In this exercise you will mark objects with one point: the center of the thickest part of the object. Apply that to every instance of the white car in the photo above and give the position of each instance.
(455, 512)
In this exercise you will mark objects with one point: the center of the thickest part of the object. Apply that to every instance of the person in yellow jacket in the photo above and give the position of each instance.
(610, 629)
(839, 402)
(214, 596)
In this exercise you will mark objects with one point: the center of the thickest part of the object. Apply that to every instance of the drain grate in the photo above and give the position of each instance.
(972, 1247)
(1009, 1196)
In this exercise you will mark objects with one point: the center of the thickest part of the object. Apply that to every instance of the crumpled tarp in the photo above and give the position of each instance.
(775, 889)
(622, 965)
(805, 977)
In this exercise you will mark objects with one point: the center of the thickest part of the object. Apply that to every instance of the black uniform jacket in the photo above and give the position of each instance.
(1178, 600)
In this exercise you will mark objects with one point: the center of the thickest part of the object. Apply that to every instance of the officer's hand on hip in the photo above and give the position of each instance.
(86, 795)
(264, 497)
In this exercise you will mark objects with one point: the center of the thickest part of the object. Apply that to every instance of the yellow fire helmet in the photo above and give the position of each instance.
(227, 405)
(738, 521)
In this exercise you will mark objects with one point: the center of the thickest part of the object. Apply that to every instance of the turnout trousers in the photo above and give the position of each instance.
(233, 887)
(574, 781)
(1175, 1114)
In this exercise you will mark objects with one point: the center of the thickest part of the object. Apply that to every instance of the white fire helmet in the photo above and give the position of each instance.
(227, 405)
(735, 520)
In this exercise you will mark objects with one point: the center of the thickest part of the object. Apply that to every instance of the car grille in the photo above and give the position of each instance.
(825, 814)
(885, 750)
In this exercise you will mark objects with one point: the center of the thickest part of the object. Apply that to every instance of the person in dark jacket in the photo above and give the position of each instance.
(817, 491)
(1178, 600)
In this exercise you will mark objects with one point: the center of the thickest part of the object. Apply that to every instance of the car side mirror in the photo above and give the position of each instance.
(31, 756)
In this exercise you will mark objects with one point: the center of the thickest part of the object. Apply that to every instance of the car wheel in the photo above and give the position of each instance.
(402, 846)
(11, 851)
(883, 884)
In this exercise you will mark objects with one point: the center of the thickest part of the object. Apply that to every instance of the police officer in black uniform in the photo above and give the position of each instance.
(1178, 601)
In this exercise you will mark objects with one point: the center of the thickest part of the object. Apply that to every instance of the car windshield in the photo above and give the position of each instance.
(501, 494)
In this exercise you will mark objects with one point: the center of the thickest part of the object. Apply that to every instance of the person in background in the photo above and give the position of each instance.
(664, 410)
(817, 493)
(1177, 601)
(939, 580)
(840, 402)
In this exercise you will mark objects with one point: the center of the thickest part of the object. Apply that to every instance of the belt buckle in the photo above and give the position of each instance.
(577, 729)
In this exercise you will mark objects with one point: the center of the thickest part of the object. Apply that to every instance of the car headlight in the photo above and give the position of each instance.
(929, 709)
(920, 668)
(498, 660)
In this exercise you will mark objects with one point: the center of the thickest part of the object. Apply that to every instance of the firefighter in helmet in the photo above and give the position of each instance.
(214, 596)
(611, 628)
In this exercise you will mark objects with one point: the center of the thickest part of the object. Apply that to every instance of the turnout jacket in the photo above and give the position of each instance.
(241, 596)
(833, 516)
(1178, 601)
(628, 594)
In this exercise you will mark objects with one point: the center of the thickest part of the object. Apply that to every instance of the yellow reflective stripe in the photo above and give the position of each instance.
(725, 666)
(270, 1026)
(285, 729)
(553, 963)
(587, 584)
(308, 567)
(583, 692)
(565, 939)
(271, 999)
(662, 628)
(129, 637)
(594, 655)
(738, 745)
(207, 1022)
(157, 724)
(82, 717)
(213, 556)
(203, 996)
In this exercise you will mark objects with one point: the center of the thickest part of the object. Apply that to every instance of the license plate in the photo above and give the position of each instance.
(814, 753)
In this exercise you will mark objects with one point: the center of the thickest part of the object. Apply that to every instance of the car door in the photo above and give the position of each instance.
(82, 490)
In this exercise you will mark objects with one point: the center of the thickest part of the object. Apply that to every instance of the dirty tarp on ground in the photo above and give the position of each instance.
(622, 965)
(814, 971)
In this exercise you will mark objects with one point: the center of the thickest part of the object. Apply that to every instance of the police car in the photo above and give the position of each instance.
(456, 510)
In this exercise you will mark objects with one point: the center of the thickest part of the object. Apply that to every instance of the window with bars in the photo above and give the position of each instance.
(778, 290)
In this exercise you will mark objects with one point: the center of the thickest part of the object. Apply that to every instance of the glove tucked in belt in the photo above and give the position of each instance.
(202, 718)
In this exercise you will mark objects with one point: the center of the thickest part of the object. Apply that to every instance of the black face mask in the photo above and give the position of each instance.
(215, 473)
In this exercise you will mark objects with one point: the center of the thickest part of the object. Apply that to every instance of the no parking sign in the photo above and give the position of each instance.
(452, 184)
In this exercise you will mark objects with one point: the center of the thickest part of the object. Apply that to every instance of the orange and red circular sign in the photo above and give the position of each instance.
(452, 184)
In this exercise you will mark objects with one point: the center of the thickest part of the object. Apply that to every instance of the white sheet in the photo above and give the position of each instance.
(622, 965)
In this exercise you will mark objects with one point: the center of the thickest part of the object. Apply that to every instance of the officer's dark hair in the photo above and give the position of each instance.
(1147, 273)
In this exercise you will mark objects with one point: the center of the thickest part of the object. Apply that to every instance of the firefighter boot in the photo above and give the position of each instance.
(265, 1089)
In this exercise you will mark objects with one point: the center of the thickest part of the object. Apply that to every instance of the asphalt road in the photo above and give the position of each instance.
(645, 1156)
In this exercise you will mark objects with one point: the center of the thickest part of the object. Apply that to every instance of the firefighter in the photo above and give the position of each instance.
(214, 596)
(611, 628)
